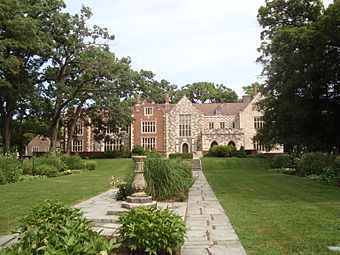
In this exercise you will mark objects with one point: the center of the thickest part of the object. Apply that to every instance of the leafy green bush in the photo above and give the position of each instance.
(53, 228)
(222, 151)
(314, 163)
(241, 153)
(119, 153)
(2, 178)
(47, 170)
(26, 166)
(123, 191)
(165, 178)
(138, 150)
(9, 168)
(180, 156)
(73, 162)
(50, 160)
(90, 165)
(281, 161)
(152, 230)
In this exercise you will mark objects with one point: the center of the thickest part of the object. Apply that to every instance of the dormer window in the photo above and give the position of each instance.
(218, 111)
(148, 111)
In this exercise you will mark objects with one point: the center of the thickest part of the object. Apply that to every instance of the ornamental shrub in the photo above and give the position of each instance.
(241, 153)
(47, 170)
(138, 150)
(180, 156)
(51, 160)
(222, 151)
(152, 230)
(281, 161)
(73, 162)
(90, 165)
(53, 228)
(9, 168)
(314, 163)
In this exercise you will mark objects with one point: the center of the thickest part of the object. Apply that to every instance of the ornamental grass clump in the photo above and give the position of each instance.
(53, 228)
(166, 179)
(152, 230)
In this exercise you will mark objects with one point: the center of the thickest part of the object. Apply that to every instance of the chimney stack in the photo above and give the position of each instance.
(246, 99)
(138, 99)
(166, 98)
(254, 90)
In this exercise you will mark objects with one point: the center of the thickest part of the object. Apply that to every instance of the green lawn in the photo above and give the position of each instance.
(274, 213)
(17, 198)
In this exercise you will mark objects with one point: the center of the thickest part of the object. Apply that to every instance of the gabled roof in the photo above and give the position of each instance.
(212, 109)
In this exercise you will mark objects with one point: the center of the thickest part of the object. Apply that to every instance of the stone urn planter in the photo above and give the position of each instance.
(139, 185)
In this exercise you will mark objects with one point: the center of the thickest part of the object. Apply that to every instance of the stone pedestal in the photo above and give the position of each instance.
(139, 185)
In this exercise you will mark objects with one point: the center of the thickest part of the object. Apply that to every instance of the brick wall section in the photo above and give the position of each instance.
(158, 116)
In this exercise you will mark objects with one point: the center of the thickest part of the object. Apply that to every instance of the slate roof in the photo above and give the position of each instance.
(209, 109)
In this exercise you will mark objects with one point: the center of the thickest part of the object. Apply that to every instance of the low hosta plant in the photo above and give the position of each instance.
(53, 228)
(152, 230)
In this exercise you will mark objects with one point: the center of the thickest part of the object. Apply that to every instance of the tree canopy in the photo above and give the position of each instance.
(207, 92)
(300, 52)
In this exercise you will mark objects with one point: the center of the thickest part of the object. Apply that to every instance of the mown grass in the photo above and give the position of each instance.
(17, 198)
(274, 213)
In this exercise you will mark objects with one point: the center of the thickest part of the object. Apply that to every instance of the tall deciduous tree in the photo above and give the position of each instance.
(24, 42)
(301, 57)
(70, 75)
(102, 95)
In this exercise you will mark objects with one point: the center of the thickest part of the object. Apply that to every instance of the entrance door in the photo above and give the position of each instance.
(185, 148)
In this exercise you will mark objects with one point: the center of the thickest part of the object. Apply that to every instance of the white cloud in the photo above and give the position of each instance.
(184, 41)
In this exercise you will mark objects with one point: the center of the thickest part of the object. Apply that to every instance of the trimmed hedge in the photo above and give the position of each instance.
(180, 156)
(226, 151)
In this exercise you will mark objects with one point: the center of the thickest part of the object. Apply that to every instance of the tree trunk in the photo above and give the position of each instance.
(72, 127)
(55, 128)
(6, 123)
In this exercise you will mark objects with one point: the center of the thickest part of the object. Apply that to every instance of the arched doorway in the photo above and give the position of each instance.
(232, 143)
(185, 148)
(213, 144)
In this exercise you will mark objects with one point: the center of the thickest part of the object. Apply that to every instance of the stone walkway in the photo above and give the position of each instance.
(210, 232)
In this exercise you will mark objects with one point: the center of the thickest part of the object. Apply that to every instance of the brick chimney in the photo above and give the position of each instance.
(246, 99)
(166, 98)
(254, 90)
(138, 98)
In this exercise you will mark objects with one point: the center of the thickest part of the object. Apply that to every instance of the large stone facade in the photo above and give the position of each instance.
(183, 127)
(189, 140)
(195, 128)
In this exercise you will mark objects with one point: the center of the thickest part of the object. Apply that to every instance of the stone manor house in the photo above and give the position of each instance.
(177, 128)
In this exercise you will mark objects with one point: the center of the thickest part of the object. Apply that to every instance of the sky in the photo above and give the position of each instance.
(184, 41)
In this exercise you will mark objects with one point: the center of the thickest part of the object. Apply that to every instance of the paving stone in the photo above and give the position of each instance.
(223, 250)
(194, 251)
(8, 240)
(209, 229)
